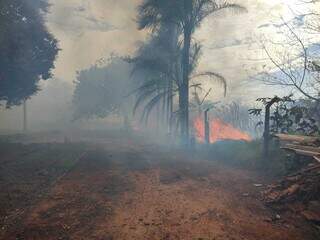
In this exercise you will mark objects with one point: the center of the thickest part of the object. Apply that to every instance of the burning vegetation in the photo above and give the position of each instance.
(219, 130)
(157, 141)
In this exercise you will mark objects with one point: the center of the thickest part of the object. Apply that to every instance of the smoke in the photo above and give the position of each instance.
(50, 109)
(89, 30)
(230, 42)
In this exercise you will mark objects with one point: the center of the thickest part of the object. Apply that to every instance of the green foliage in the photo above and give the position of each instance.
(292, 116)
(213, 76)
(27, 49)
(159, 65)
(102, 90)
(187, 16)
(153, 13)
(156, 67)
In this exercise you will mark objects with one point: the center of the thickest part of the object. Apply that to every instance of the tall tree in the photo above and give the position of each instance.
(295, 58)
(187, 15)
(156, 63)
(27, 49)
(103, 90)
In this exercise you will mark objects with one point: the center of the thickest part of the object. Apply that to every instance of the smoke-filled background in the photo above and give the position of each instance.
(90, 31)
(160, 119)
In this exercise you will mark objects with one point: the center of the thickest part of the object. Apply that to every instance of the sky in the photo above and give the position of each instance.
(90, 30)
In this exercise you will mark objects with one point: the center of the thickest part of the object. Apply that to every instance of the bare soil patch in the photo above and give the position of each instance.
(126, 189)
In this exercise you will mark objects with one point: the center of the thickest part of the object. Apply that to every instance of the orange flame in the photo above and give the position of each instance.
(219, 130)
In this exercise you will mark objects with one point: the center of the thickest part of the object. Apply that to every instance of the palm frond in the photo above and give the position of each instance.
(151, 104)
(148, 83)
(141, 98)
(204, 8)
(195, 56)
(233, 7)
(154, 13)
(149, 14)
(214, 76)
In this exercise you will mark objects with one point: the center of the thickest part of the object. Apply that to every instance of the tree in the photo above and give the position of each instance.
(311, 18)
(156, 63)
(27, 49)
(159, 62)
(291, 116)
(103, 90)
(293, 66)
(187, 15)
(295, 57)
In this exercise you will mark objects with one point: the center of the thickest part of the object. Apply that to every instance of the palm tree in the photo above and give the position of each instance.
(187, 15)
(156, 61)
(160, 78)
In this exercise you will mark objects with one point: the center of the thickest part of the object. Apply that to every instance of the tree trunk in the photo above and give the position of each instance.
(266, 134)
(173, 33)
(184, 88)
(164, 110)
(25, 116)
(158, 112)
(169, 106)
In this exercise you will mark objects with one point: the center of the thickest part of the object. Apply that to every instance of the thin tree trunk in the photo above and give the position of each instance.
(169, 104)
(184, 88)
(158, 112)
(173, 33)
(164, 110)
(25, 116)
(266, 133)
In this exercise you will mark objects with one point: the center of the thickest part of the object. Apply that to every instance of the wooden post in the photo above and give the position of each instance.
(266, 134)
(206, 127)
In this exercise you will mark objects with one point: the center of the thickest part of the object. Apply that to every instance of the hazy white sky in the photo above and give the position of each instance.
(89, 30)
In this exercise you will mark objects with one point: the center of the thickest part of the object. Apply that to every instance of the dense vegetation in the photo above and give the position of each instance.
(27, 49)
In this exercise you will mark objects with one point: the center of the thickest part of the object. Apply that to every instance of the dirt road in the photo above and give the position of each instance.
(122, 189)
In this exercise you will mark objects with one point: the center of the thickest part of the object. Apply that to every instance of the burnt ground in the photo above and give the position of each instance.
(120, 188)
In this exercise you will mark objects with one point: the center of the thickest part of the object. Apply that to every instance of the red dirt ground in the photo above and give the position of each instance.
(121, 189)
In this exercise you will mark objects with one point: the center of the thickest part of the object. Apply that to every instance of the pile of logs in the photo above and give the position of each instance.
(301, 145)
(301, 188)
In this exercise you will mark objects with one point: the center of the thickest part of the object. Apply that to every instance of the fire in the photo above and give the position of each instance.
(219, 130)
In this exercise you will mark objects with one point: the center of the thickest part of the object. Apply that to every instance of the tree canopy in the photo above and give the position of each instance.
(27, 49)
(102, 90)
(187, 16)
